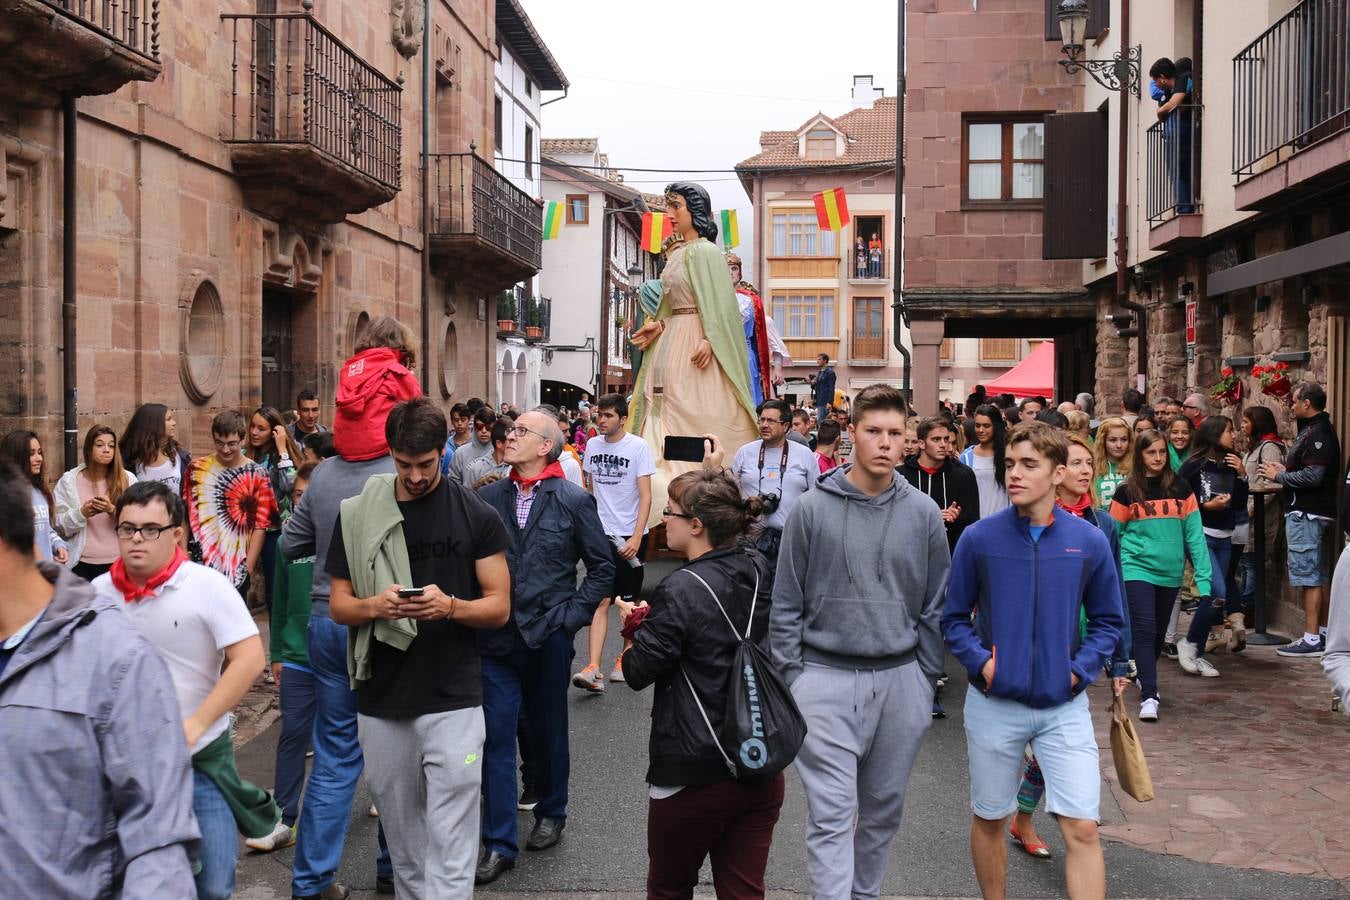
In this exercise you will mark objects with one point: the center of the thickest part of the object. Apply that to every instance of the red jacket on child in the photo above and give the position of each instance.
(371, 384)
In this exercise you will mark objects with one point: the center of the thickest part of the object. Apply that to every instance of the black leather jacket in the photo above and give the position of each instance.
(685, 630)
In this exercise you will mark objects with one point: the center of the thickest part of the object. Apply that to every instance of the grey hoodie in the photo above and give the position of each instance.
(1336, 655)
(466, 454)
(860, 580)
(310, 528)
(97, 792)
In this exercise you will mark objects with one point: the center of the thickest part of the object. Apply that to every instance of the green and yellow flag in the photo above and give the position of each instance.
(731, 233)
(553, 214)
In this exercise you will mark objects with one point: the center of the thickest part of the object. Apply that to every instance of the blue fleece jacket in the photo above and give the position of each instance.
(1027, 595)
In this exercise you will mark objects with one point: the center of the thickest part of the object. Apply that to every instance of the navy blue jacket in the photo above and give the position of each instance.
(1027, 596)
(824, 389)
(563, 528)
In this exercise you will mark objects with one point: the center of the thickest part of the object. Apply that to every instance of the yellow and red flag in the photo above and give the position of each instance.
(553, 214)
(832, 209)
(731, 232)
(656, 227)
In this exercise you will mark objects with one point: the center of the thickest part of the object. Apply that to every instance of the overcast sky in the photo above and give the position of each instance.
(691, 85)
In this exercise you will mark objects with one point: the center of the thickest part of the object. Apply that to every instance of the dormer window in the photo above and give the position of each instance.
(820, 144)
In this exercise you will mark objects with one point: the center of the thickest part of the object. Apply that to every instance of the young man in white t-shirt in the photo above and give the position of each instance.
(618, 468)
(197, 621)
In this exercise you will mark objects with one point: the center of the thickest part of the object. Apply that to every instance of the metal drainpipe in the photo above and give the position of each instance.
(602, 365)
(1122, 231)
(426, 199)
(69, 236)
(900, 316)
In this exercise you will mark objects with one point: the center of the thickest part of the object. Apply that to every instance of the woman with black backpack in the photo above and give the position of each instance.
(684, 643)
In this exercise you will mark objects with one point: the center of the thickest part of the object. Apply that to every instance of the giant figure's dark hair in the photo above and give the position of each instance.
(700, 207)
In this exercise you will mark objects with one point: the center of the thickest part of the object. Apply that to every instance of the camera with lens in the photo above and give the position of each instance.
(770, 502)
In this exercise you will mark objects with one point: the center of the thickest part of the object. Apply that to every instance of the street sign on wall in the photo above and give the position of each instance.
(1190, 323)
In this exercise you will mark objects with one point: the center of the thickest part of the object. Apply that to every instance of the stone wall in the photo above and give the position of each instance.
(172, 262)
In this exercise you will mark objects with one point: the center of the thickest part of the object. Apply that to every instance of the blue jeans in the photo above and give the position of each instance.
(538, 679)
(337, 760)
(297, 725)
(1150, 608)
(1211, 609)
(220, 839)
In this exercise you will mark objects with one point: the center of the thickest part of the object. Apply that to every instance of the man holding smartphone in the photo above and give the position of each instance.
(414, 660)
(618, 469)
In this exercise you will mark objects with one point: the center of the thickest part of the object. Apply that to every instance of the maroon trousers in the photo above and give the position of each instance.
(731, 821)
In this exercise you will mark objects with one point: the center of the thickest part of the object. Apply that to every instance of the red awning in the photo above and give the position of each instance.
(1032, 377)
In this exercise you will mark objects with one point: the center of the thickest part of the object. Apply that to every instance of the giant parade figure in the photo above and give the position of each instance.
(695, 375)
(764, 347)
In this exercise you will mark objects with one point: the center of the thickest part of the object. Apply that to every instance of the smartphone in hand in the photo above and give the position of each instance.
(683, 449)
(409, 592)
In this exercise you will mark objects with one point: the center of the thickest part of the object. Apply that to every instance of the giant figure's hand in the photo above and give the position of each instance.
(647, 334)
(703, 355)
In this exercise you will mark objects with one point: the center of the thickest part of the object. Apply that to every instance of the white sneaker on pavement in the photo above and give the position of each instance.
(1148, 710)
(1186, 657)
(282, 836)
(1203, 667)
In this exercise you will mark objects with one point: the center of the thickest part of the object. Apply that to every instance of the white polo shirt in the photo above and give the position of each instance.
(190, 620)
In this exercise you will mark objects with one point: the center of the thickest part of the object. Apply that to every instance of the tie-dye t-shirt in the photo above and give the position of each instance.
(225, 506)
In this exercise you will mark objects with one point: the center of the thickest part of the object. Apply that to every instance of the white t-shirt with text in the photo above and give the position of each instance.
(614, 469)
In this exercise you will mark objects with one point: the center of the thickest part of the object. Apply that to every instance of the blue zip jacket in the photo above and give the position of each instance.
(1030, 624)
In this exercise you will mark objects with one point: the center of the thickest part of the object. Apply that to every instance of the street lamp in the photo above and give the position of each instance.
(1117, 74)
(634, 277)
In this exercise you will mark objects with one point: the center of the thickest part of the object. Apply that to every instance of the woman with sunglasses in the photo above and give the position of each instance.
(696, 809)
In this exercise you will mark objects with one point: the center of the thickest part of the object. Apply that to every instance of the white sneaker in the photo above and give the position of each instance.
(282, 836)
(1148, 710)
(1204, 668)
(1186, 657)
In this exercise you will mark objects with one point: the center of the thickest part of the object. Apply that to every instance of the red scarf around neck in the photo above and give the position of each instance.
(552, 470)
(131, 591)
(1270, 437)
(1080, 507)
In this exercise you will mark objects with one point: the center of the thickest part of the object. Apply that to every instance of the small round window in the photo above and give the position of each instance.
(449, 361)
(202, 343)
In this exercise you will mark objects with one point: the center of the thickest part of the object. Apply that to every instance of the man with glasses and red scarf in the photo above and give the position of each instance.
(552, 524)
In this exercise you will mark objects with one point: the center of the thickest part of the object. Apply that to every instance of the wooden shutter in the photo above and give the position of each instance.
(1075, 186)
(1099, 18)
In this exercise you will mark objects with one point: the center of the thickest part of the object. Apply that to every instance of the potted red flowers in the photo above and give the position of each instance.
(1274, 380)
(1228, 389)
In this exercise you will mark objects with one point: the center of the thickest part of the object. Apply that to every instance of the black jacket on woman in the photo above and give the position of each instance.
(685, 630)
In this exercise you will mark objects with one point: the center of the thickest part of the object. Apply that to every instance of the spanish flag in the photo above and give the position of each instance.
(553, 214)
(731, 233)
(656, 227)
(832, 209)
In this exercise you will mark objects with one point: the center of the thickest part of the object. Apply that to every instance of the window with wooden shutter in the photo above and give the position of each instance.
(999, 350)
(947, 354)
(1099, 19)
(1075, 186)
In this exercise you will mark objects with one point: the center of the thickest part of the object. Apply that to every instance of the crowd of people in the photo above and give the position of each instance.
(425, 576)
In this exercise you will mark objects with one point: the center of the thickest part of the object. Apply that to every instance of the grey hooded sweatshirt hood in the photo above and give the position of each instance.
(860, 579)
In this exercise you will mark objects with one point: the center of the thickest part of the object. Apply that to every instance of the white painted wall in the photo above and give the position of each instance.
(570, 277)
(520, 109)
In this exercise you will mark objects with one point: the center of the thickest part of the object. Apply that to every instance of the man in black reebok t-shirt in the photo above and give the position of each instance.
(416, 667)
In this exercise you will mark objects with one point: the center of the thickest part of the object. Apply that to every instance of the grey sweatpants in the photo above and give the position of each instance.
(864, 730)
(425, 775)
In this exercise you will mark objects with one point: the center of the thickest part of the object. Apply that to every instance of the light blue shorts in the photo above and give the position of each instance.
(1307, 549)
(997, 734)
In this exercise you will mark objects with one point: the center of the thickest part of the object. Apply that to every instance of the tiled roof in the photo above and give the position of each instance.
(870, 134)
(655, 201)
(568, 146)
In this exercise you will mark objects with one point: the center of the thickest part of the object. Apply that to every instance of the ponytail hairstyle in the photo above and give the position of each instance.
(714, 498)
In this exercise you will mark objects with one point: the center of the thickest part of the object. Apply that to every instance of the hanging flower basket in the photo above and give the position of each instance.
(1274, 379)
(1228, 389)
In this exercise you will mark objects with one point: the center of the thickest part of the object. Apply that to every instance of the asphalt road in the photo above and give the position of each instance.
(603, 850)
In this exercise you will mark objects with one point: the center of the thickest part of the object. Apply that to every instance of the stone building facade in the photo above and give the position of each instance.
(980, 82)
(248, 193)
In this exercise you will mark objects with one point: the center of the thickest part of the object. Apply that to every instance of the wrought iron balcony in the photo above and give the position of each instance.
(55, 48)
(485, 231)
(1174, 165)
(520, 315)
(867, 265)
(1291, 86)
(315, 131)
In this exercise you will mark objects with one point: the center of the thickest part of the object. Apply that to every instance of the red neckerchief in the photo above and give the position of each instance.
(1080, 507)
(928, 470)
(552, 470)
(1269, 437)
(131, 591)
